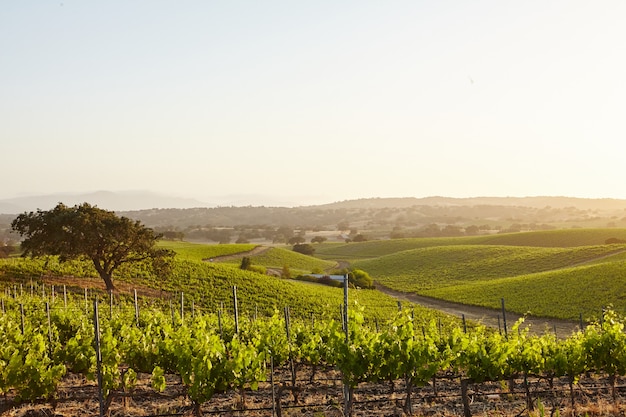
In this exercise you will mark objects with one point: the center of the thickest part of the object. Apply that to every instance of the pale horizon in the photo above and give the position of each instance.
(313, 103)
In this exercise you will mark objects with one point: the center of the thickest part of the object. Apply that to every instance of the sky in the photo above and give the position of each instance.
(302, 103)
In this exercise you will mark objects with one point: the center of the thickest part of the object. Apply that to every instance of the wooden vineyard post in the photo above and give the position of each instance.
(49, 327)
(506, 334)
(236, 308)
(182, 307)
(136, 308)
(219, 323)
(22, 316)
(467, 412)
(346, 389)
(96, 326)
(580, 318)
(291, 362)
(272, 384)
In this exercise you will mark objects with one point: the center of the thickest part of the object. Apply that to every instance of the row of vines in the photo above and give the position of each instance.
(212, 353)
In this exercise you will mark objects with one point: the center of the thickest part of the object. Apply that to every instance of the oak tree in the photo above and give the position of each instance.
(88, 232)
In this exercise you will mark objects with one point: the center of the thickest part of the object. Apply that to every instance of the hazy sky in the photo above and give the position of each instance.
(313, 102)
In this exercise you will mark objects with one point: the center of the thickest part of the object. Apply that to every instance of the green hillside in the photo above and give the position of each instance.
(276, 258)
(551, 238)
(199, 251)
(563, 294)
(558, 273)
(423, 269)
(208, 285)
(561, 238)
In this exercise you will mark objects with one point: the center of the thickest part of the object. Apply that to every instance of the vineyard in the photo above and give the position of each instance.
(209, 338)
(190, 361)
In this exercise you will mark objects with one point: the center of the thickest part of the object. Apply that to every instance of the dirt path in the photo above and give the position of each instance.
(486, 316)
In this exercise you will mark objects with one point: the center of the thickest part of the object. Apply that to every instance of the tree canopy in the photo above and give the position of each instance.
(88, 232)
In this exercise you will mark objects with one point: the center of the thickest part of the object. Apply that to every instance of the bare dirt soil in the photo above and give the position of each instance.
(323, 396)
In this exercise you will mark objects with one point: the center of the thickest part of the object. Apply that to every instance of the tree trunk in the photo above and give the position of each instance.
(104, 273)
(108, 281)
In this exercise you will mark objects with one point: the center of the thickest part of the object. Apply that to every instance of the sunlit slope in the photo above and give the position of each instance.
(424, 269)
(564, 293)
(211, 285)
(562, 238)
(550, 238)
(208, 285)
(376, 248)
(200, 251)
(278, 257)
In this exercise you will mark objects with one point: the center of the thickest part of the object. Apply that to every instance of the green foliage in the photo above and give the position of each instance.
(86, 231)
(411, 345)
(304, 248)
(245, 263)
(360, 279)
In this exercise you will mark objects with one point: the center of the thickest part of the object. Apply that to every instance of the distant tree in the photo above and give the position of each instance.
(87, 232)
(430, 230)
(343, 225)
(246, 262)
(472, 230)
(286, 232)
(319, 239)
(304, 248)
(242, 239)
(359, 238)
(296, 239)
(451, 230)
(173, 235)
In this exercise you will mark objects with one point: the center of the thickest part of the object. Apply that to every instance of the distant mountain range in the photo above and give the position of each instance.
(146, 200)
(108, 200)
